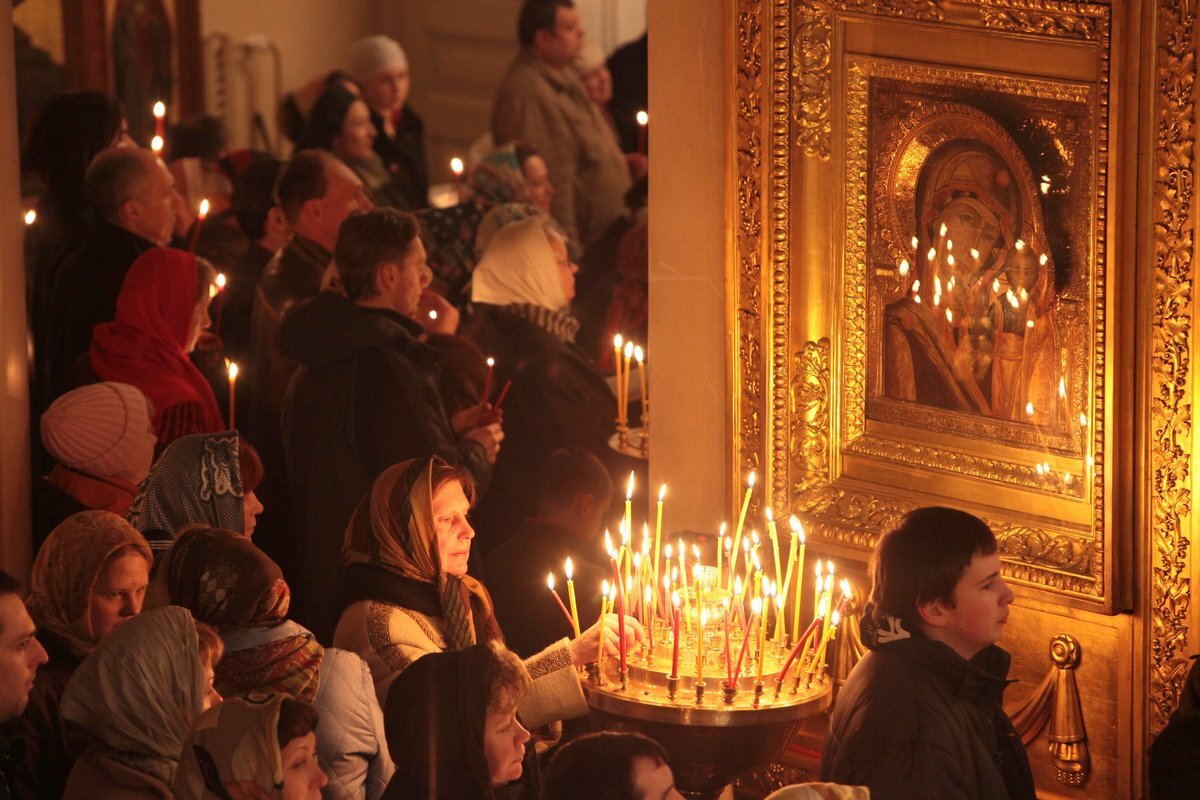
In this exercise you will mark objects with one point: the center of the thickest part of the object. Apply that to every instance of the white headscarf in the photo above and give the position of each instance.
(141, 689)
(371, 54)
(519, 267)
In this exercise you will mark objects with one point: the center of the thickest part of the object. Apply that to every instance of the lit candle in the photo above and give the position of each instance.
(620, 617)
(737, 536)
(755, 609)
(487, 379)
(798, 532)
(662, 492)
(818, 662)
(643, 120)
(675, 636)
(199, 220)
(703, 617)
(829, 592)
(219, 299)
(456, 167)
(156, 145)
(687, 606)
(160, 120)
(774, 536)
(570, 570)
(627, 356)
(557, 599)
(649, 596)
(618, 343)
(720, 548)
(30, 216)
(232, 368)
(764, 605)
(640, 356)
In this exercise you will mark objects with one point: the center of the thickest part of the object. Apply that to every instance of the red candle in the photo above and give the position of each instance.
(199, 219)
(487, 380)
(737, 672)
(643, 119)
(557, 599)
(728, 652)
(503, 393)
(675, 636)
(796, 650)
(620, 614)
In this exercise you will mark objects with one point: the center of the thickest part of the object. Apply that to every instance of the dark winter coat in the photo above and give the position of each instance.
(915, 719)
(404, 157)
(365, 397)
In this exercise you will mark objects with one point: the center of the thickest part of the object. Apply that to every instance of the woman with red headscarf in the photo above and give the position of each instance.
(161, 311)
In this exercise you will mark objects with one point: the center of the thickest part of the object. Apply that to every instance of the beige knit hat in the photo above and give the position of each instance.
(371, 54)
(98, 429)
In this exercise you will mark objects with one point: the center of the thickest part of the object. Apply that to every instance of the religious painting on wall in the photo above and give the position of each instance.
(924, 292)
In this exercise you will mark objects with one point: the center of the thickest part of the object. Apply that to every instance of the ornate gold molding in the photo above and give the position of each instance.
(1171, 355)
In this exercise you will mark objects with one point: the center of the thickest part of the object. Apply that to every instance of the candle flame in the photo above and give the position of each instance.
(160, 109)
(649, 594)
(204, 206)
(550, 581)
(745, 545)
(662, 492)
(1062, 388)
(819, 569)
(456, 165)
(628, 351)
(617, 342)
(770, 514)
(675, 599)
(831, 566)
(637, 560)
(608, 544)
(845, 586)
(491, 362)
(1039, 469)
(1029, 324)
(30, 216)
(220, 281)
(904, 268)
(625, 534)
(737, 585)
(950, 259)
(1067, 479)
(949, 316)
(754, 537)
(728, 541)
(156, 144)
(643, 118)
(996, 286)
(696, 571)
(779, 601)
(433, 313)
(835, 618)
(756, 606)
(1042, 259)
(233, 370)
(639, 355)
(604, 589)
(667, 552)
(570, 568)
(751, 479)
(629, 487)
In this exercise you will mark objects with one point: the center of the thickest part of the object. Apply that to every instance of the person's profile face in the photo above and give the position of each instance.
(303, 777)
(562, 43)
(537, 183)
(344, 195)
(980, 611)
(386, 90)
(118, 592)
(157, 202)
(454, 533)
(251, 508)
(566, 267)
(20, 656)
(412, 277)
(199, 324)
(653, 780)
(356, 140)
(211, 696)
(504, 739)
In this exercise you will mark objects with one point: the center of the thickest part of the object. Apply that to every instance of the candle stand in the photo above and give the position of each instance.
(713, 732)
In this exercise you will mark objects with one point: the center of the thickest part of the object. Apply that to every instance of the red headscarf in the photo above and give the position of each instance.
(143, 345)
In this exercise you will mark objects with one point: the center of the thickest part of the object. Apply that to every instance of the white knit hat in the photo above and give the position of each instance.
(371, 54)
(98, 429)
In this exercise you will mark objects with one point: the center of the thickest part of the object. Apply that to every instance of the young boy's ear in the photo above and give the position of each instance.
(933, 613)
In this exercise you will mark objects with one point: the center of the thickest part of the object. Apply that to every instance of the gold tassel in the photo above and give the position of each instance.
(1068, 736)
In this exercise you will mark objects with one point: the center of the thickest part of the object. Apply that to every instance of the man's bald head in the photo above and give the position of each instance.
(130, 188)
(317, 192)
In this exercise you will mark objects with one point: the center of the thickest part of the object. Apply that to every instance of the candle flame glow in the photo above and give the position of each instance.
(220, 281)
(915, 242)
(456, 166)
(974, 253)
(662, 492)
(570, 568)
(949, 316)
(643, 118)
(204, 206)
(835, 618)
(942, 230)
(433, 314)
(751, 479)
(628, 351)
(1042, 259)
(491, 362)
(550, 581)
(770, 514)
(160, 109)
(618, 341)
(916, 287)
(1062, 388)
(639, 355)
(1020, 244)
(629, 487)
(156, 144)
(675, 599)
(233, 370)
(1083, 420)
(932, 254)
(756, 606)
(30, 216)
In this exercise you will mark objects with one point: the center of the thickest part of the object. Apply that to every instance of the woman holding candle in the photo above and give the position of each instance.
(161, 311)
(522, 289)
(406, 593)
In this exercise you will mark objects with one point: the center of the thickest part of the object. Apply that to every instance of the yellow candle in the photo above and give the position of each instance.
(817, 589)
(627, 353)
(798, 533)
(233, 376)
(781, 621)
(618, 341)
(700, 647)
(818, 663)
(720, 548)
(640, 356)
(756, 607)
(662, 492)
(737, 535)
(774, 536)
(570, 570)
(829, 593)
(687, 605)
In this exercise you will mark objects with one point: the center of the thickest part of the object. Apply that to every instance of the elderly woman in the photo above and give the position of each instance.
(204, 479)
(261, 746)
(135, 700)
(405, 591)
(90, 576)
(228, 583)
(161, 311)
(522, 289)
(453, 726)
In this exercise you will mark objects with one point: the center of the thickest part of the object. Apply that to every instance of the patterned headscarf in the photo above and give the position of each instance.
(66, 569)
(234, 752)
(499, 178)
(393, 528)
(196, 481)
(227, 582)
(141, 690)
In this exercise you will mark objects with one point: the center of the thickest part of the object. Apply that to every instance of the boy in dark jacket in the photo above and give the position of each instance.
(921, 715)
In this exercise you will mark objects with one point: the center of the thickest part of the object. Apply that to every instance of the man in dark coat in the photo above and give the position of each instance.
(20, 657)
(365, 397)
(574, 493)
(921, 714)
(131, 196)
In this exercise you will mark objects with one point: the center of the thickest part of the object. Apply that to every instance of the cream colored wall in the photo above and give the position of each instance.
(690, 434)
(14, 392)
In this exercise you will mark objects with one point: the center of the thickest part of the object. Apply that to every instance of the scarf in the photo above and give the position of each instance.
(139, 692)
(143, 345)
(559, 324)
(393, 531)
(196, 481)
(103, 494)
(227, 582)
(234, 752)
(434, 716)
(519, 266)
(499, 177)
(66, 569)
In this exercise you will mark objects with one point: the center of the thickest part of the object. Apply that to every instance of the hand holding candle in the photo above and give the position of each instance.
(201, 214)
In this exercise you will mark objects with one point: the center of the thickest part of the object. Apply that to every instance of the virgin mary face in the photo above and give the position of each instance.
(972, 229)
